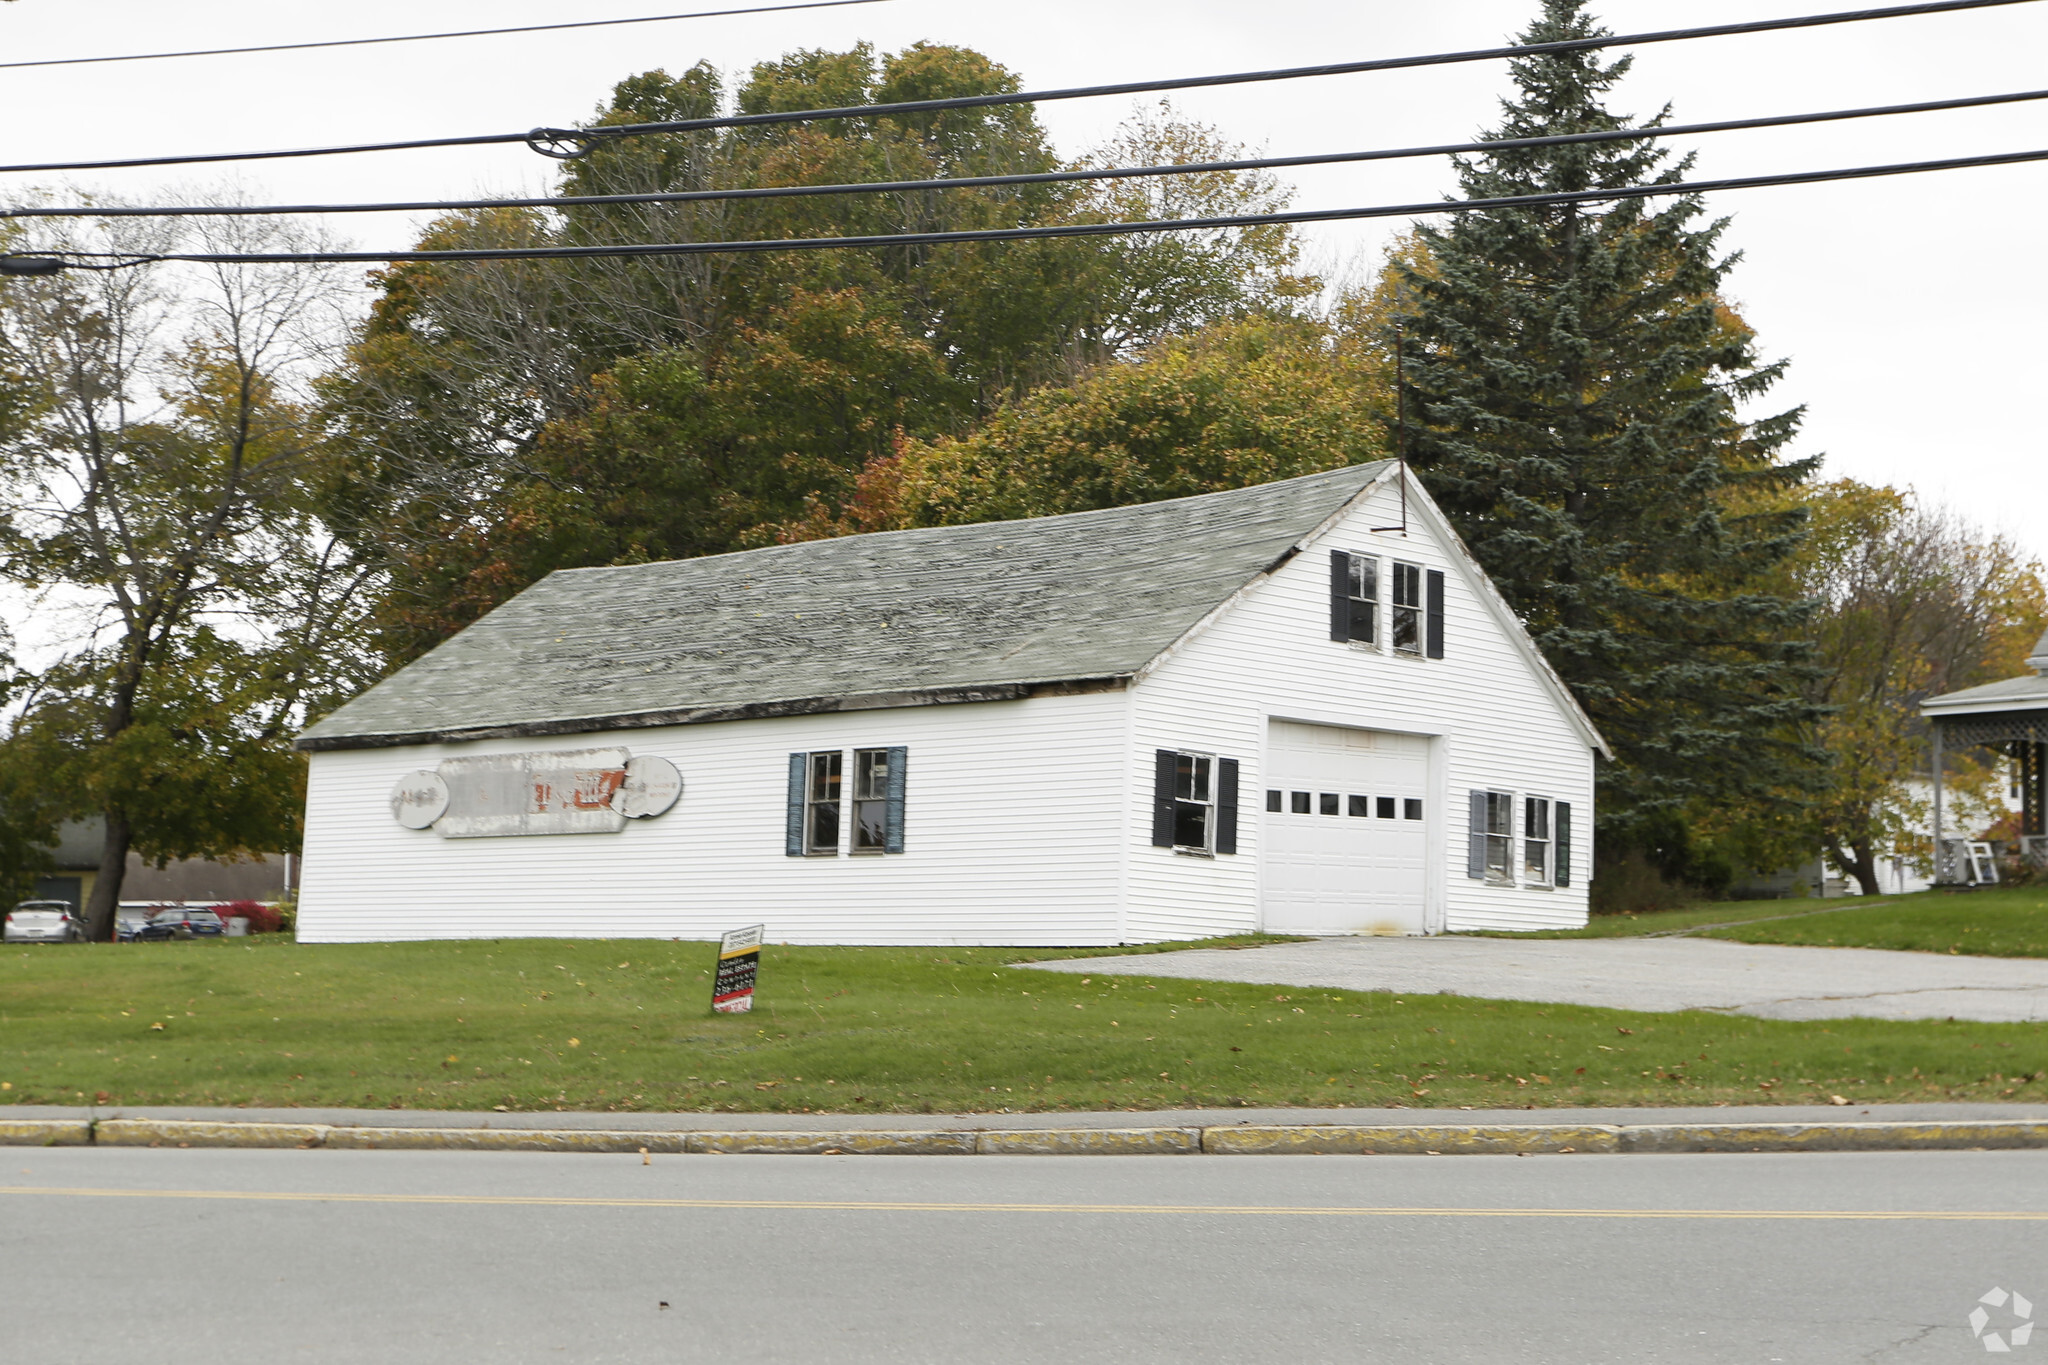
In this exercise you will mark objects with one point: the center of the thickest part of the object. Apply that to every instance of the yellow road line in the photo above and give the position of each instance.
(906, 1206)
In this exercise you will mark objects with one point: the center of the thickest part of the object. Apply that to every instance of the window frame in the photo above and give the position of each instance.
(1499, 835)
(1365, 596)
(856, 802)
(813, 801)
(1413, 615)
(1188, 765)
(1546, 875)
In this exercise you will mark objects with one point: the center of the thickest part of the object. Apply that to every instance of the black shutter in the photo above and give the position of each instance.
(1340, 595)
(1475, 847)
(1163, 765)
(1563, 817)
(892, 810)
(793, 827)
(1435, 635)
(1226, 805)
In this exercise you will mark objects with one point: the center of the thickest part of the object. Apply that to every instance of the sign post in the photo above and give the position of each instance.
(739, 962)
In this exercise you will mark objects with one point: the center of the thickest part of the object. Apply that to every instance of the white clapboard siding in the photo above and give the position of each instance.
(1013, 834)
(1493, 723)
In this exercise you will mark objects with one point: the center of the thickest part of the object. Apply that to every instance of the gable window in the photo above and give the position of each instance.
(1536, 841)
(1354, 597)
(1407, 613)
(1194, 802)
(1490, 851)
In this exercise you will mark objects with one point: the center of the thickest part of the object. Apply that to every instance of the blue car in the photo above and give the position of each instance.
(179, 922)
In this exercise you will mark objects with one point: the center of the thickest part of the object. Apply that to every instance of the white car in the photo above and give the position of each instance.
(43, 922)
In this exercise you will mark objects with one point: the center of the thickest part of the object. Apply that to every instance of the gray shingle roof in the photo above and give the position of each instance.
(2022, 693)
(896, 618)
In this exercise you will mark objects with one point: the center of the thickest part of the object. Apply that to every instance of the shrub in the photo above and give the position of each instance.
(263, 919)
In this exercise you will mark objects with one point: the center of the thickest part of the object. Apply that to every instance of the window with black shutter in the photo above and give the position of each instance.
(1354, 597)
(1194, 802)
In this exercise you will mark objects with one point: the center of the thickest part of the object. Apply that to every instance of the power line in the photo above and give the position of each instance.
(24, 264)
(428, 37)
(573, 142)
(1031, 178)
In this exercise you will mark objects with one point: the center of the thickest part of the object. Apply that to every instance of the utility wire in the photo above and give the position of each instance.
(573, 142)
(23, 264)
(428, 37)
(1033, 178)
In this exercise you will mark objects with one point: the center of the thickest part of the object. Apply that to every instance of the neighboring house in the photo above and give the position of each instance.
(1271, 708)
(2009, 717)
(76, 863)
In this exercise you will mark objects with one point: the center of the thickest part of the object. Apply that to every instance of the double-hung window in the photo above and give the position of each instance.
(1536, 841)
(1498, 828)
(1194, 802)
(870, 801)
(869, 798)
(1355, 597)
(821, 803)
(1407, 612)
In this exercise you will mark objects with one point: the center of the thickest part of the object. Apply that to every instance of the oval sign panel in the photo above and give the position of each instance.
(652, 786)
(419, 800)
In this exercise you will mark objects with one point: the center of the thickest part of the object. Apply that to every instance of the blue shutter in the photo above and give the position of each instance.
(892, 827)
(1163, 763)
(1340, 595)
(1226, 805)
(1433, 633)
(1562, 815)
(793, 828)
(1475, 844)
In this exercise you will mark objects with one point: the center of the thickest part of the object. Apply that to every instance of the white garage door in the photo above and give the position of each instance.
(1345, 812)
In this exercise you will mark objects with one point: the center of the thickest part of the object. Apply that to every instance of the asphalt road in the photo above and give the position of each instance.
(110, 1256)
(1773, 981)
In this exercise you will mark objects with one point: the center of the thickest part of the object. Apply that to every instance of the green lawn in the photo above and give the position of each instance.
(1670, 921)
(541, 1024)
(2005, 922)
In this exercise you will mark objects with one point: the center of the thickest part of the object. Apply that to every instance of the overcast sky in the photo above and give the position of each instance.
(1911, 308)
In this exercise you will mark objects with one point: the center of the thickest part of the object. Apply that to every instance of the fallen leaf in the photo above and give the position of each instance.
(157, 1027)
(1837, 1099)
(575, 1042)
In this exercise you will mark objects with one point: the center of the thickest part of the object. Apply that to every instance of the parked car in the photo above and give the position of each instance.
(180, 922)
(43, 922)
(128, 919)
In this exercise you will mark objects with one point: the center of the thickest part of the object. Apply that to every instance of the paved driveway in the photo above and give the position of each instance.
(1631, 973)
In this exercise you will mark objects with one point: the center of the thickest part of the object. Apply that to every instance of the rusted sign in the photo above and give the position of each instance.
(496, 795)
(579, 791)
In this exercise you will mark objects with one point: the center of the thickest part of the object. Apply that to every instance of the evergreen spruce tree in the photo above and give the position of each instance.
(1576, 379)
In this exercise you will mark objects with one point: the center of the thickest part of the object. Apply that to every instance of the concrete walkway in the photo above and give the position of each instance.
(1660, 974)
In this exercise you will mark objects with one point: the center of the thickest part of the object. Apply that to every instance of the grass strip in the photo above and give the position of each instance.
(1994, 922)
(624, 1025)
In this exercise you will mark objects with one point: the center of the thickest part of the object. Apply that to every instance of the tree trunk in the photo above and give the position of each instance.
(106, 887)
(1860, 862)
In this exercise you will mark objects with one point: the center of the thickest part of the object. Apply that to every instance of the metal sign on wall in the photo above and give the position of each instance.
(577, 791)
(739, 963)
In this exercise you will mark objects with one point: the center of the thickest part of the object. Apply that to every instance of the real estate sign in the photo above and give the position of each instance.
(739, 962)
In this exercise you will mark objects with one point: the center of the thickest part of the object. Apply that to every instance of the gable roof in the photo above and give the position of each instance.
(986, 612)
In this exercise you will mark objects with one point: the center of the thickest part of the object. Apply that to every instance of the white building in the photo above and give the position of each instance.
(1273, 708)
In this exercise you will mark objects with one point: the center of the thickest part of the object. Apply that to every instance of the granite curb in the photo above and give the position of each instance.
(1239, 1139)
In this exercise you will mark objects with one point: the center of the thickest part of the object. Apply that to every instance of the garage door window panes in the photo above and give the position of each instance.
(1536, 841)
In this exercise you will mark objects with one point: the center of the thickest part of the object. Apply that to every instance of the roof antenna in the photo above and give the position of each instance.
(1400, 414)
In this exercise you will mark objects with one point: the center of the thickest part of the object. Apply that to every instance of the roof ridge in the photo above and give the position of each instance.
(1375, 466)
